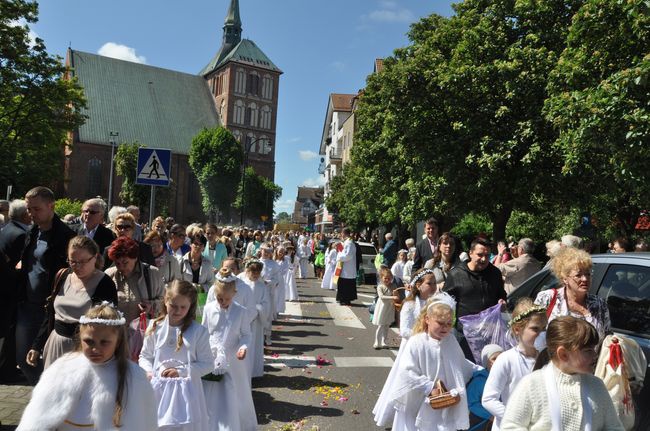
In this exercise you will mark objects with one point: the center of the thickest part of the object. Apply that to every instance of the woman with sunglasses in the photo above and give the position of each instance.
(124, 226)
(195, 267)
(75, 291)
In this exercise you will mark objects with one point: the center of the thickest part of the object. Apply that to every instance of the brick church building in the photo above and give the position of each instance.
(162, 108)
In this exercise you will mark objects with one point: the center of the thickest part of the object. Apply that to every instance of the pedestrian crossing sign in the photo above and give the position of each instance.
(153, 167)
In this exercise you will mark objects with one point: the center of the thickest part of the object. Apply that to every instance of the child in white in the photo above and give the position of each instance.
(527, 323)
(229, 400)
(564, 395)
(94, 387)
(252, 277)
(271, 274)
(303, 253)
(283, 293)
(176, 354)
(330, 266)
(398, 267)
(431, 354)
(407, 272)
(291, 289)
(384, 313)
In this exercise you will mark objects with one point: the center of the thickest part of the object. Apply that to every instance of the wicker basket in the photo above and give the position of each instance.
(444, 398)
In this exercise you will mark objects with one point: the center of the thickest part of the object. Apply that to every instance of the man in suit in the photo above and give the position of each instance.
(92, 219)
(12, 243)
(425, 248)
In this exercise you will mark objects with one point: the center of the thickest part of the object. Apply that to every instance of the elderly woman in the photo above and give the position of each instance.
(124, 226)
(139, 285)
(176, 244)
(168, 266)
(77, 289)
(195, 267)
(159, 226)
(572, 267)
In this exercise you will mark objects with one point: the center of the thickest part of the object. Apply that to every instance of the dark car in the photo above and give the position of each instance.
(623, 280)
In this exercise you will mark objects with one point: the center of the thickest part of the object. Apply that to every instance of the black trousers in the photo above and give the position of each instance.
(346, 290)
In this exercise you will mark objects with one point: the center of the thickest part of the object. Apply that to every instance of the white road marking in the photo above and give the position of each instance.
(395, 330)
(292, 309)
(363, 361)
(289, 361)
(342, 315)
(394, 352)
(365, 295)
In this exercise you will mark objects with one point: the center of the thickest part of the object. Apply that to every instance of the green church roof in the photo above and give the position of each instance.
(246, 52)
(159, 108)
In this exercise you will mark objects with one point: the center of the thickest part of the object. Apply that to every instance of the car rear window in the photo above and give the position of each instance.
(626, 288)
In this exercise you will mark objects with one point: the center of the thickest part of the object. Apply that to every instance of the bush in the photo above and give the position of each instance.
(66, 206)
(470, 226)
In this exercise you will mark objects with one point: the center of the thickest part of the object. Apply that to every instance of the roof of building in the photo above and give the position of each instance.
(342, 102)
(313, 193)
(245, 52)
(335, 103)
(157, 107)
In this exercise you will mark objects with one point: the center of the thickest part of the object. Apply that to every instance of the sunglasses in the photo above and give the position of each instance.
(123, 227)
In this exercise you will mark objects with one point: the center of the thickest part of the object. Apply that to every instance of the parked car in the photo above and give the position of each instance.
(369, 252)
(623, 280)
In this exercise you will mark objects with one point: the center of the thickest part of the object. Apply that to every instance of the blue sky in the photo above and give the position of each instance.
(322, 47)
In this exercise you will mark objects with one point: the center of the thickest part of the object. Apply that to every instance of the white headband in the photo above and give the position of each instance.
(83, 320)
(221, 279)
(421, 274)
(442, 298)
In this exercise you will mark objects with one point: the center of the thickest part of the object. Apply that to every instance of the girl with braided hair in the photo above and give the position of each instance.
(176, 352)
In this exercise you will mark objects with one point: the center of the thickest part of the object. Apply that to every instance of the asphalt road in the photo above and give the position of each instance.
(322, 372)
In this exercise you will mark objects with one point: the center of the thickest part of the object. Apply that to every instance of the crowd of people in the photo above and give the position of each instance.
(178, 318)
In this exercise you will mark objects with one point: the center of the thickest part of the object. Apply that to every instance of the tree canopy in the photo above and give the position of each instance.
(259, 194)
(39, 105)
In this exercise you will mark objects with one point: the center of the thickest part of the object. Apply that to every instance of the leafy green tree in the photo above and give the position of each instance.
(67, 206)
(259, 193)
(39, 105)
(126, 166)
(216, 160)
(283, 217)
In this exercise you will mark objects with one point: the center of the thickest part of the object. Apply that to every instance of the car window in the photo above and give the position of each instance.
(367, 249)
(626, 288)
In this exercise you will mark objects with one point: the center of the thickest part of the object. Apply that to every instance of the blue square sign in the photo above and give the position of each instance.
(153, 167)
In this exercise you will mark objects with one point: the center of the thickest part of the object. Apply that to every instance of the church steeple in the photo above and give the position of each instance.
(231, 27)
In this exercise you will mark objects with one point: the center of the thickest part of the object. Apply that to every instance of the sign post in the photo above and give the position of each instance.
(154, 168)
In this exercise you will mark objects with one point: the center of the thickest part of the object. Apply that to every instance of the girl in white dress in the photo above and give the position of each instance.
(290, 282)
(384, 313)
(279, 257)
(228, 388)
(432, 354)
(528, 321)
(176, 354)
(564, 395)
(97, 387)
(262, 313)
(330, 266)
(304, 253)
(398, 267)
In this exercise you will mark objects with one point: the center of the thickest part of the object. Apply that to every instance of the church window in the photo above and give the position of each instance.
(264, 145)
(253, 84)
(240, 81)
(251, 115)
(237, 135)
(267, 87)
(222, 109)
(266, 118)
(239, 112)
(94, 183)
(250, 143)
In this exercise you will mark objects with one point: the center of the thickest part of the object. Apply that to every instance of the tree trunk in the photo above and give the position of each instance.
(499, 222)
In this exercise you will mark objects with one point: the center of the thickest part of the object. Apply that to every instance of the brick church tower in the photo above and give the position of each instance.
(244, 83)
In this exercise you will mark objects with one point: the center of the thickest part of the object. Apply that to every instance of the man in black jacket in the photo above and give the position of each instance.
(45, 253)
(476, 285)
(424, 249)
(92, 218)
(12, 243)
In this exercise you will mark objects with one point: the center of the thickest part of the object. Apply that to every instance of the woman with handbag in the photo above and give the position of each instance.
(75, 290)
(432, 362)
(176, 354)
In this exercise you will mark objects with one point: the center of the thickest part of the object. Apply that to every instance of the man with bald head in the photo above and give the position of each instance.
(92, 219)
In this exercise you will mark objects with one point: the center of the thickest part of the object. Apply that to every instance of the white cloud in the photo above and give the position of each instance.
(294, 140)
(307, 155)
(339, 66)
(319, 181)
(121, 52)
(389, 15)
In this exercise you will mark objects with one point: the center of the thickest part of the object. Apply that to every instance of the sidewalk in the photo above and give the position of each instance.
(13, 400)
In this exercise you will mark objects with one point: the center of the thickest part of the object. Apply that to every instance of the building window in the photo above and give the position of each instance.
(239, 112)
(240, 81)
(264, 146)
(94, 177)
(237, 135)
(222, 109)
(193, 190)
(253, 84)
(267, 87)
(251, 115)
(266, 118)
(250, 144)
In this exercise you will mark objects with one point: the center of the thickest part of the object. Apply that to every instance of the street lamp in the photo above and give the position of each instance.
(113, 136)
(247, 148)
